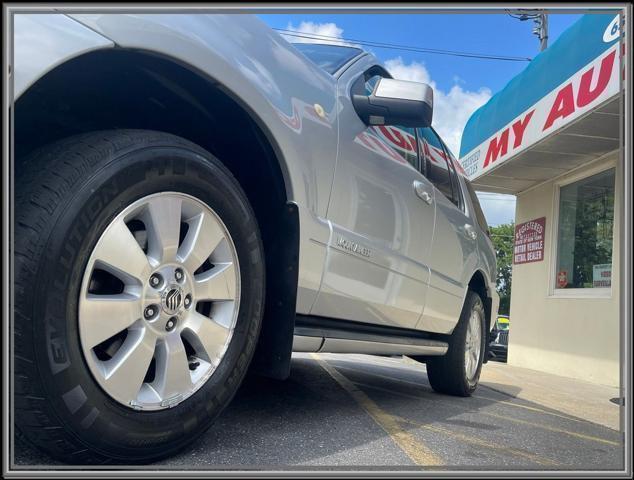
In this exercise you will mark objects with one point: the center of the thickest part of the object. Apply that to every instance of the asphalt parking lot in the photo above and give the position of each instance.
(356, 411)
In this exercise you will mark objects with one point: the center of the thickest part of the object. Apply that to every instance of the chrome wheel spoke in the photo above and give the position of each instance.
(172, 368)
(118, 252)
(472, 345)
(126, 370)
(204, 235)
(467, 363)
(103, 316)
(217, 284)
(153, 324)
(164, 225)
(209, 334)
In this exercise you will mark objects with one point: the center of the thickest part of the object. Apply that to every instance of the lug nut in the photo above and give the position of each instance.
(150, 312)
(188, 300)
(171, 323)
(156, 280)
(178, 274)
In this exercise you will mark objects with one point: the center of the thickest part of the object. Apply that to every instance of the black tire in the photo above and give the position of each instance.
(66, 194)
(447, 374)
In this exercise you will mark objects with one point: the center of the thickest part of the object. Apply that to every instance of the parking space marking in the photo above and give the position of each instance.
(534, 409)
(482, 443)
(416, 450)
(583, 436)
(505, 402)
(504, 417)
(378, 375)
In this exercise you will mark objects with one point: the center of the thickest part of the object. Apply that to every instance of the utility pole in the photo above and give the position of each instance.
(540, 19)
(541, 30)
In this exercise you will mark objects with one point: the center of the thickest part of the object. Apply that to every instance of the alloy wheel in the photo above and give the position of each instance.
(473, 345)
(159, 301)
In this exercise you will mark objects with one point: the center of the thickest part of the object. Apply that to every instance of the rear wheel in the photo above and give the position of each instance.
(458, 371)
(139, 277)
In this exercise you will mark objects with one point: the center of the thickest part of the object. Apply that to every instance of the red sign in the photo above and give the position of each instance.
(529, 241)
(562, 279)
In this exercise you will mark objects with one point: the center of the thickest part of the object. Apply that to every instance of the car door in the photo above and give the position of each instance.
(454, 248)
(377, 262)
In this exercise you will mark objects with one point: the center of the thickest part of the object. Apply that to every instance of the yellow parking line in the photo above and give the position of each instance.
(417, 451)
(483, 443)
(511, 404)
(466, 438)
(378, 375)
(534, 409)
(553, 429)
(509, 419)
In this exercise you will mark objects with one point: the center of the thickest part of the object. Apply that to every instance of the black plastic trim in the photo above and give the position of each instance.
(314, 326)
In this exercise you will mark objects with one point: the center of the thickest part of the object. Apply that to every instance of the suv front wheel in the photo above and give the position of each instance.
(139, 289)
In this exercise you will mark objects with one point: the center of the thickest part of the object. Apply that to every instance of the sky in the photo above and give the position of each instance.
(461, 85)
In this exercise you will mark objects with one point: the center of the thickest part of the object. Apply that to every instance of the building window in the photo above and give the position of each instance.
(584, 239)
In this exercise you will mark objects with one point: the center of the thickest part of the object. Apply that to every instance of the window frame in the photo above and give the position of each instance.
(451, 170)
(475, 208)
(422, 166)
(553, 291)
(453, 175)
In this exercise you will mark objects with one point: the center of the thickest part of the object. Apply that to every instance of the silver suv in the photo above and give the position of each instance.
(195, 197)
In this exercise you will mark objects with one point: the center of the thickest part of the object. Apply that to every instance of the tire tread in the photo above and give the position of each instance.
(446, 373)
(44, 180)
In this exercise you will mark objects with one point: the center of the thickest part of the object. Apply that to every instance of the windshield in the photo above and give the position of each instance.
(329, 57)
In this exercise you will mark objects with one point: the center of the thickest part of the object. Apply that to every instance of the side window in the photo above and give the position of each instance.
(481, 219)
(435, 160)
(455, 182)
(401, 140)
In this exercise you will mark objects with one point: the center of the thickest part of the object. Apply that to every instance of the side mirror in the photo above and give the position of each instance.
(396, 102)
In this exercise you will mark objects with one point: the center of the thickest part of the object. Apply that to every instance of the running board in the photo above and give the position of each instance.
(318, 334)
(343, 345)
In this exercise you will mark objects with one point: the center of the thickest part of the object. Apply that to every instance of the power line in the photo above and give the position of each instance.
(389, 46)
(393, 46)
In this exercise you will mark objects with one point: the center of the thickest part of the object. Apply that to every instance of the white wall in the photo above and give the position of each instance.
(574, 337)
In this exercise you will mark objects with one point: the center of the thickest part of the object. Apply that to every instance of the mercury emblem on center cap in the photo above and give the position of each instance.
(172, 300)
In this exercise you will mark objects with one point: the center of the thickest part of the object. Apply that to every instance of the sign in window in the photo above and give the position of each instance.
(584, 236)
(529, 241)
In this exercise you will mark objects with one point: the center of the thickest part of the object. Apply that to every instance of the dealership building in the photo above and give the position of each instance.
(553, 138)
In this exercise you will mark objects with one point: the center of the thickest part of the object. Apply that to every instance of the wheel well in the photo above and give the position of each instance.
(478, 285)
(118, 88)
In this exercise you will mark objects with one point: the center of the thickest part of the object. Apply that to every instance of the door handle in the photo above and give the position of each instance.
(470, 231)
(421, 192)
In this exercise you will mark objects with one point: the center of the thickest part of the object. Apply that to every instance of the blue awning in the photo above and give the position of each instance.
(583, 42)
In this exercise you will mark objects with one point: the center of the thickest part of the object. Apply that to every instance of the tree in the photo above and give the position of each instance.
(502, 237)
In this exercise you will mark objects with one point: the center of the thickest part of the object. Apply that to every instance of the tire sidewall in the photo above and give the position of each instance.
(474, 304)
(87, 411)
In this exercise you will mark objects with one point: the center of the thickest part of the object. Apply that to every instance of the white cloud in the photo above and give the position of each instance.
(414, 72)
(318, 30)
(497, 208)
(452, 109)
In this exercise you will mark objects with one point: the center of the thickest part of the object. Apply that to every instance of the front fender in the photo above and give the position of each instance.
(43, 41)
(262, 71)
